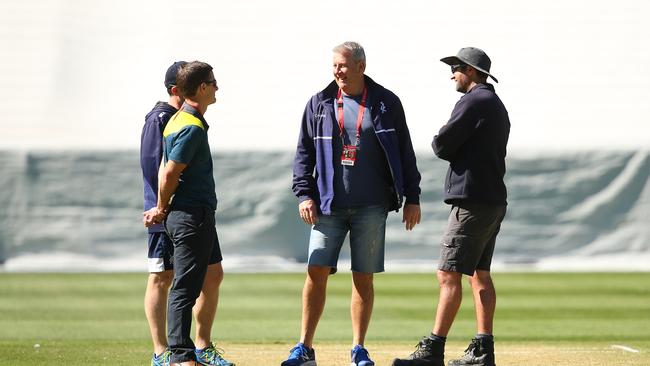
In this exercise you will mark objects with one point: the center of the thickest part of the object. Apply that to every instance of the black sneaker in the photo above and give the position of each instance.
(427, 353)
(480, 352)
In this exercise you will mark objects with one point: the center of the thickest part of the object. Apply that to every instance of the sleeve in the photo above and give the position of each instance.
(304, 184)
(151, 155)
(410, 171)
(456, 132)
(185, 144)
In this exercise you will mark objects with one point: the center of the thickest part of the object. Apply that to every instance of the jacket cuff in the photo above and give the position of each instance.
(412, 200)
(303, 198)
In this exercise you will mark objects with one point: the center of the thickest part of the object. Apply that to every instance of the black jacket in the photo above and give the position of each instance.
(474, 142)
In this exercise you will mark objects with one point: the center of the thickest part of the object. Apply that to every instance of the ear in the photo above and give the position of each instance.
(175, 90)
(362, 66)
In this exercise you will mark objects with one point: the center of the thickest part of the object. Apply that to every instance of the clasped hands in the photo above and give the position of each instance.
(153, 216)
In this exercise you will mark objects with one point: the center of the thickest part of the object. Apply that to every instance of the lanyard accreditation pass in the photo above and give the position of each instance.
(349, 154)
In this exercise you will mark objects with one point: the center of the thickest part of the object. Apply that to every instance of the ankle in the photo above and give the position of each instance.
(201, 345)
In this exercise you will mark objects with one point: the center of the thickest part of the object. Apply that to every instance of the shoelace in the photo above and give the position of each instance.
(421, 348)
(361, 355)
(164, 357)
(298, 352)
(473, 346)
(212, 353)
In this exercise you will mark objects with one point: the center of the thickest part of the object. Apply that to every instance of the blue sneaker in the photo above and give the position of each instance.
(360, 357)
(162, 359)
(301, 356)
(211, 356)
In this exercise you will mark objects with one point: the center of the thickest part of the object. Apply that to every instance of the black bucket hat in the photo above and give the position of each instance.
(474, 57)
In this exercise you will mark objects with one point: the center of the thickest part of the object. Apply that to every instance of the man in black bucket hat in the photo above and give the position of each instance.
(474, 142)
(474, 57)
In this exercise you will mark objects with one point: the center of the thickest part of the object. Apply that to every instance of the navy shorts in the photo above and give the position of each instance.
(161, 252)
(468, 242)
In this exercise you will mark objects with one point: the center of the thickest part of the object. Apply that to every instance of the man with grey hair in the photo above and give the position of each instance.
(354, 163)
(474, 142)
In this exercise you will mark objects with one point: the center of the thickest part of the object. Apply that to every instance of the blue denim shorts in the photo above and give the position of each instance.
(367, 227)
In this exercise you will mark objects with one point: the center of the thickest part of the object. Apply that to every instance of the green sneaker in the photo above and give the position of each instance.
(211, 356)
(162, 359)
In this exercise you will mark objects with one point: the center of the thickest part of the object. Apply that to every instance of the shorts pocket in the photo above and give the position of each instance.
(451, 251)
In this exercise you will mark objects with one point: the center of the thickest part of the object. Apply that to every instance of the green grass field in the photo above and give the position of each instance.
(542, 318)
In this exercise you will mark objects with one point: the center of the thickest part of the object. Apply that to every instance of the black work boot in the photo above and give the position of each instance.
(427, 353)
(480, 352)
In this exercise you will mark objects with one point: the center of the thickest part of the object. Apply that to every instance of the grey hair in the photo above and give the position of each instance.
(355, 49)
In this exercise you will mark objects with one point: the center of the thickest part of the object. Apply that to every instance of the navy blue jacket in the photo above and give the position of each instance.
(474, 142)
(313, 170)
(151, 143)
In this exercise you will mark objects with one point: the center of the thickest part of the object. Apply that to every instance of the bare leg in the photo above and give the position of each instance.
(206, 305)
(155, 308)
(451, 295)
(313, 301)
(485, 300)
(361, 302)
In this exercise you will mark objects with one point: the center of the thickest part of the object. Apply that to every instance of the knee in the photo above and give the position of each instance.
(317, 275)
(363, 284)
(449, 279)
(161, 280)
(363, 280)
(481, 279)
(214, 275)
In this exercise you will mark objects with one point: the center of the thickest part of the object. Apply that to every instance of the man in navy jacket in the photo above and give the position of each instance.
(474, 142)
(354, 163)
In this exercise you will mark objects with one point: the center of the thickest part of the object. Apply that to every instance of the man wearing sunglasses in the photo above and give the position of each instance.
(187, 203)
(161, 249)
(474, 142)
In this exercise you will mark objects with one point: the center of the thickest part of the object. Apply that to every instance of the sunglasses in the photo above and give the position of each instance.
(455, 68)
(212, 82)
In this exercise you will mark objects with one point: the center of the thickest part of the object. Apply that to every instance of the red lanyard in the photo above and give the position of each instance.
(362, 108)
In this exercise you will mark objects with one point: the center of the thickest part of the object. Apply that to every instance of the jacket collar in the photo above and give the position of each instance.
(487, 86)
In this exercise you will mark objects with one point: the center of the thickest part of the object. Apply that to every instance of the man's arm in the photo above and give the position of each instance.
(168, 182)
(304, 184)
(456, 131)
(411, 214)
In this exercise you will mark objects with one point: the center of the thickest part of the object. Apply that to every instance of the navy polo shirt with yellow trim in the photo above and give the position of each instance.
(186, 141)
